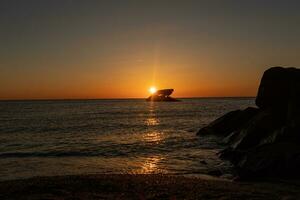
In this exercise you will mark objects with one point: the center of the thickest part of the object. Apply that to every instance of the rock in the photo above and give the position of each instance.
(229, 122)
(293, 113)
(277, 87)
(265, 141)
(273, 153)
(281, 159)
(221, 126)
(203, 162)
(215, 172)
(262, 129)
(258, 129)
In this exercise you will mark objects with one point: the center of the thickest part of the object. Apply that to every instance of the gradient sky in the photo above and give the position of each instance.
(118, 49)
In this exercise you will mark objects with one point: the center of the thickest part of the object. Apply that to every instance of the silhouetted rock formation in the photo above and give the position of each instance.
(265, 141)
(229, 122)
(162, 95)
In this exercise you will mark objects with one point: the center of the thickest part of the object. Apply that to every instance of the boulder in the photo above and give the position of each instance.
(293, 113)
(275, 153)
(256, 131)
(229, 122)
(278, 86)
(262, 129)
(280, 159)
(265, 141)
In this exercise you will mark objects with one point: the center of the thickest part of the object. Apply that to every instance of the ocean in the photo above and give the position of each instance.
(62, 137)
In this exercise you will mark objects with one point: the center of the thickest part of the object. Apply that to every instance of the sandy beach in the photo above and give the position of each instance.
(144, 187)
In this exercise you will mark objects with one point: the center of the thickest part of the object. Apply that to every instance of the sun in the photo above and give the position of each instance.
(152, 90)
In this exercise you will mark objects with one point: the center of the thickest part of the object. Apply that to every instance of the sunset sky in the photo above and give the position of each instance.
(119, 49)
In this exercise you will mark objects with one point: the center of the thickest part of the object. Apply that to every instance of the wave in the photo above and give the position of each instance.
(60, 154)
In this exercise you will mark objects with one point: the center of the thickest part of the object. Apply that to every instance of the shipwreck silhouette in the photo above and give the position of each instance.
(162, 95)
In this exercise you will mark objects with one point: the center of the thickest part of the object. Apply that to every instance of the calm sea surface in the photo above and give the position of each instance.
(40, 138)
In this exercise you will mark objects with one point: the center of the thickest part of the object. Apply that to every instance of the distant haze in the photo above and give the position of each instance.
(118, 49)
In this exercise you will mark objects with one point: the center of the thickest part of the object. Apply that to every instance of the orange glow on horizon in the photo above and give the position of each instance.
(130, 81)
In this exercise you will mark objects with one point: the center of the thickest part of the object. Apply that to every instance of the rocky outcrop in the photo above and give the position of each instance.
(229, 122)
(265, 141)
(278, 85)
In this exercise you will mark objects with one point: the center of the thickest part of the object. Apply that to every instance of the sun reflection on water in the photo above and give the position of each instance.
(153, 137)
(152, 121)
(151, 165)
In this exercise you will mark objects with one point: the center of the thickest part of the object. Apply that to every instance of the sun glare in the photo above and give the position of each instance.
(152, 90)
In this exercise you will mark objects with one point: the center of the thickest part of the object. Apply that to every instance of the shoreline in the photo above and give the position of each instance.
(144, 186)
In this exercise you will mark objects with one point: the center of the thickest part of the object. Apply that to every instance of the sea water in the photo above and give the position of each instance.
(60, 137)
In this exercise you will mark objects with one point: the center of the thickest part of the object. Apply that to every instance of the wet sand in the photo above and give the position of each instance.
(144, 187)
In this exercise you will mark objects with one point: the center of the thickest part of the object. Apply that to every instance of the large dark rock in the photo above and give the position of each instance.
(256, 131)
(229, 122)
(280, 159)
(263, 129)
(278, 86)
(267, 141)
(293, 113)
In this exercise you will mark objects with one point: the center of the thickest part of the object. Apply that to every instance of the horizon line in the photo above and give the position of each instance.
(129, 98)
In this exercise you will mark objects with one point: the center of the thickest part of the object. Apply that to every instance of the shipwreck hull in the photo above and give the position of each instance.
(162, 95)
